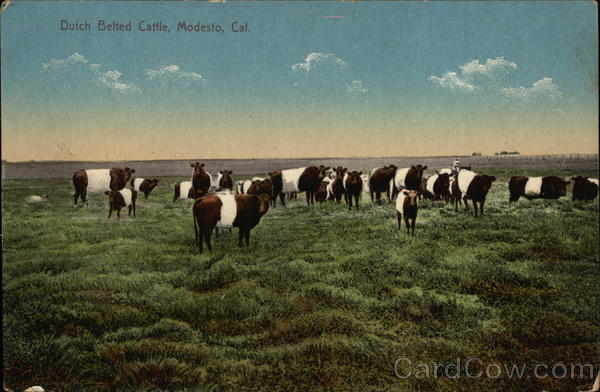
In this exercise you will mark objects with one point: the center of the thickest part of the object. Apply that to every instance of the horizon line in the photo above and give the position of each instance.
(4, 161)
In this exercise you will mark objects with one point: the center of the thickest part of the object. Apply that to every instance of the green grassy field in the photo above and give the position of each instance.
(323, 300)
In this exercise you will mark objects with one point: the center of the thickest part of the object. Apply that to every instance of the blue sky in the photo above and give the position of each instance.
(379, 78)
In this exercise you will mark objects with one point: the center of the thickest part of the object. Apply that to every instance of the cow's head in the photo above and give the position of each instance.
(392, 167)
(263, 206)
(486, 183)
(411, 197)
(226, 173)
(323, 171)
(197, 167)
(340, 171)
(115, 199)
(444, 179)
(127, 173)
(152, 184)
(562, 186)
(354, 177)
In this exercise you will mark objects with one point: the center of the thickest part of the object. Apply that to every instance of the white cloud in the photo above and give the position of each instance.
(474, 76)
(491, 66)
(356, 87)
(63, 63)
(452, 81)
(316, 59)
(108, 79)
(172, 72)
(111, 80)
(542, 88)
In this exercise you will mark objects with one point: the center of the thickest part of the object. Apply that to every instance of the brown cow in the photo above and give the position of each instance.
(380, 181)
(99, 180)
(227, 210)
(224, 180)
(353, 185)
(119, 199)
(143, 185)
(201, 180)
(549, 187)
(470, 185)
(321, 194)
(584, 188)
(337, 185)
(298, 180)
(406, 204)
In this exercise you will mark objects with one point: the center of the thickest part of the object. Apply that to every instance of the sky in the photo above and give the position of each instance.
(309, 79)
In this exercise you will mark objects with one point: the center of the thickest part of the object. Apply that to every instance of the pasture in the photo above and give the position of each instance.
(323, 300)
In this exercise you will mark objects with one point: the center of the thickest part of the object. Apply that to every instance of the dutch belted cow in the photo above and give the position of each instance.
(407, 178)
(406, 204)
(473, 186)
(201, 180)
(143, 185)
(183, 190)
(353, 185)
(119, 199)
(584, 188)
(224, 180)
(549, 187)
(379, 181)
(224, 210)
(438, 187)
(304, 179)
(99, 181)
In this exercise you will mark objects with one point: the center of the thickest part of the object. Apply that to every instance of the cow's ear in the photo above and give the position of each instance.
(405, 193)
(230, 171)
(413, 167)
(327, 167)
(202, 165)
(493, 178)
(133, 170)
(107, 192)
(360, 173)
(192, 165)
(221, 171)
(425, 167)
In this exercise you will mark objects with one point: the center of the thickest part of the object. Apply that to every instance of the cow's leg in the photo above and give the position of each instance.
(513, 197)
(378, 197)
(387, 192)
(207, 235)
(84, 196)
(475, 207)
(129, 208)
(466, 204)
(133, 209)
(75, 196)
(407, 224)
(241, 237)
(200, 235)
(217, 233)
(109, 212)
(356, 198)
(196, 229)
(247, 237)
(146, 195)
(282, 198)
(412, 225)
(399, 216)
(348, 201)
(481, 207)
(118, 213)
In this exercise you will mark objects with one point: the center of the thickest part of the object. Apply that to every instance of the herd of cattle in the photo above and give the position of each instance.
(217, 206)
